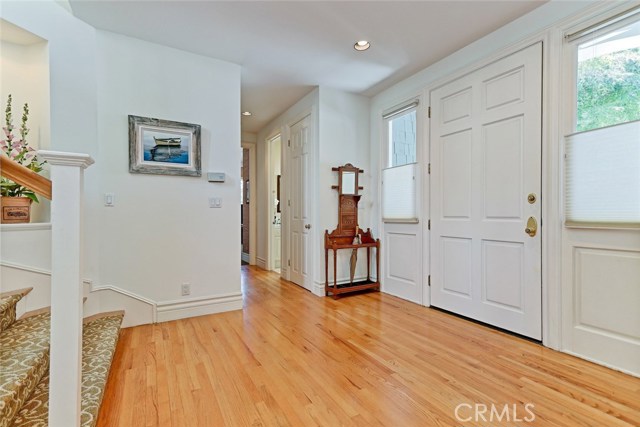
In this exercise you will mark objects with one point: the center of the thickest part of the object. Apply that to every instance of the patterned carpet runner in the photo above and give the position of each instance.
(24, 364)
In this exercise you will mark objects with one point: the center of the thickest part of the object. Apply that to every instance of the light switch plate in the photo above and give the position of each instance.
(109, 199)
(215, 202)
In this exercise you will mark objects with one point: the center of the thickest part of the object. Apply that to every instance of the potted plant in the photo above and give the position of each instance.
(16, 199)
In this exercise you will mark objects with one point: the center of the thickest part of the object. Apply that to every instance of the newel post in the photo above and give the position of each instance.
(67, 173)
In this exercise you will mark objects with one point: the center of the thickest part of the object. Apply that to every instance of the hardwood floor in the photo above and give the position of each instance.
(292, 359)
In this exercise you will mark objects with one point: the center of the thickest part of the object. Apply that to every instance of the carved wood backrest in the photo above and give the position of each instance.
(348, 199)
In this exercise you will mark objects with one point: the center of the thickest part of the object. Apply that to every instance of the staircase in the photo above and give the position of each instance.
(24, 363)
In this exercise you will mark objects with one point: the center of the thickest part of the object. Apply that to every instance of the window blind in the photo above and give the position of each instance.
(593, 31)
(399, 194)
(401, 108)
(602, 177)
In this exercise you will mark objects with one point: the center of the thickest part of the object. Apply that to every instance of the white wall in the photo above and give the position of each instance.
(344, 138)
(615, 318)
(25, 76)
(416, 86)
(412, 87)
(72, 93)
(307, 105)
(340, 121)
(161, 232)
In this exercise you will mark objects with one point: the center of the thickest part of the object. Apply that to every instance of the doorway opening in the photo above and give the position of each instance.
(275, 209)
(245, 212)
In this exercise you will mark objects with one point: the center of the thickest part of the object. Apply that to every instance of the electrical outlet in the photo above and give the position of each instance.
(186, 289)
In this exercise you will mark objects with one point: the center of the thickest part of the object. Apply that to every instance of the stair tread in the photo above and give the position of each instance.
(24, 359)
(100, 337)
(8, 301)
(22, 292)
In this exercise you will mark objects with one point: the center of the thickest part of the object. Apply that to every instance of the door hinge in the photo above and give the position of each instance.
(429, 225)
(289, 263)
(429, 168)
(288, 202)
(429, 112)
(289, 143)
(429, 280)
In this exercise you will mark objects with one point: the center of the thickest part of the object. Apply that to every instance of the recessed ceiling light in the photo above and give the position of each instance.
(362, 45)
(246, 113)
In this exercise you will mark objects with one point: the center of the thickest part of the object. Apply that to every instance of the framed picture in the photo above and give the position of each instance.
(164, 147)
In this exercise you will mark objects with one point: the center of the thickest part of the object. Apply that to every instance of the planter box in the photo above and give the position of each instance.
(15, 210)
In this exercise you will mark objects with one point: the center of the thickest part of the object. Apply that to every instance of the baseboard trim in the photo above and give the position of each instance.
(318, 289)
(602, 363)
(110, 288)
(36, 270)
(245, 257)
(180, 309)
(160, 311)
(25, 267)
(26, 227)
(261, 262)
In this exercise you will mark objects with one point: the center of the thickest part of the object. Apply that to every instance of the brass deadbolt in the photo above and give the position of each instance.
(531, 198)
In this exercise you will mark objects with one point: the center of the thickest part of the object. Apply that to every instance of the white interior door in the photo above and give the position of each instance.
(486, 160)
(300, 222)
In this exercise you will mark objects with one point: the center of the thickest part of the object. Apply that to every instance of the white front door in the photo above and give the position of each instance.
(300, 224)
(485, 162)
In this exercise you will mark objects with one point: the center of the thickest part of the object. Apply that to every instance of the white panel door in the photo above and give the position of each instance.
(300, 239)
(485, 161)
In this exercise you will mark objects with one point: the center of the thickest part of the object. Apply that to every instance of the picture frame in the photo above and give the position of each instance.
(164, 147)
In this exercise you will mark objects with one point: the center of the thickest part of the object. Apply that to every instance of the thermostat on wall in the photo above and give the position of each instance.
(215, 176)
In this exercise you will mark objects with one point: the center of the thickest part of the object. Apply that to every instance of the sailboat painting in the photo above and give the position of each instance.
(163, 147)
(168, 147)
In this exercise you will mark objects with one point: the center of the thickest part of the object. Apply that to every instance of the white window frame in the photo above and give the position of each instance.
(572, 39)
(391, 113)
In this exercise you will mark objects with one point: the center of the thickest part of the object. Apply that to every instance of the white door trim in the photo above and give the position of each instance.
(478, 217)
(271, 209)
(551, 184)
(286, 190)
(417, 282)
(253, 200)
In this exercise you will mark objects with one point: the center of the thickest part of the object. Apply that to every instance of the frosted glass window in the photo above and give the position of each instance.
(399, 194)
(603, 177)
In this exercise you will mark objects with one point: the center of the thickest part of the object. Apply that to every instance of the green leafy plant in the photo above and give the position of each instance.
(18, 150)
(609, 89)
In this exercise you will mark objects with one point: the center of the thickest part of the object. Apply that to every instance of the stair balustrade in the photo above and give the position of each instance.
(66, 194)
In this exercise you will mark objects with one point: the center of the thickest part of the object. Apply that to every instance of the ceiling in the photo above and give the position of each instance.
(286, 48)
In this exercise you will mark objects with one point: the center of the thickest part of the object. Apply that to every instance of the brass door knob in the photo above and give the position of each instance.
(532, 227)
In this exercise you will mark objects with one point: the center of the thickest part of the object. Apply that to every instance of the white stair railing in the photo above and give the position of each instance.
(67, 175)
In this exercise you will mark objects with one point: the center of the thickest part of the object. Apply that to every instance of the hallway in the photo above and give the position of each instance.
(290, 358)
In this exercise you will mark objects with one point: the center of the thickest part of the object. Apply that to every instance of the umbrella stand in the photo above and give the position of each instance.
(354, 255)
